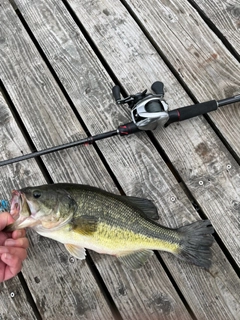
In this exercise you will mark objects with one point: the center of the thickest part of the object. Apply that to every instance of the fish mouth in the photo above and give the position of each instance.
(20, 212)
(16, 204)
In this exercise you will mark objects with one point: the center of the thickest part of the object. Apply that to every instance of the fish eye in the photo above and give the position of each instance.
(36, 194)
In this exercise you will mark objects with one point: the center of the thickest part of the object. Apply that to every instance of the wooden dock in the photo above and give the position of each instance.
(59, 60)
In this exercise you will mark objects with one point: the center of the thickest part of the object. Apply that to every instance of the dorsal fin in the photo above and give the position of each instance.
(145, 205)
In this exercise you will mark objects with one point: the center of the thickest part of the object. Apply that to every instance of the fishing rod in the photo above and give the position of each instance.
(148, 111)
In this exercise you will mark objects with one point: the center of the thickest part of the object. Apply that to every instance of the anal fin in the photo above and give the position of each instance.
(77, 252)
(136, 259)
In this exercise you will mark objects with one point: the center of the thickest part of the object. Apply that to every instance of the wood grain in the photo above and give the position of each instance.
(68, 296)
(14, 303)
(140, 162)
(198, 55)
(58, 293)
(192, 146)
(12, 295)
(76, 293)
(225, 14)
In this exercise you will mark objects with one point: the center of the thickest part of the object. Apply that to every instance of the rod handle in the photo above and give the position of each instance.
(191, 111)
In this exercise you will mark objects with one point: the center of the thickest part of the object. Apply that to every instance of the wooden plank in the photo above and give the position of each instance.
(44, 265)
(12, 295)
(202, 61)
(47, 261)
(207, 159)
(132, 170)
(14, 303)
(61, 287)
(188, 42)
(225, 16)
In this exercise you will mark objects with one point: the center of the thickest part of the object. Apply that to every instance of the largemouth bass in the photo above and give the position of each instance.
(81, 216)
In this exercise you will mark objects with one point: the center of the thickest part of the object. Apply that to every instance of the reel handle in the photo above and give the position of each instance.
(116, 93)
(157, 87)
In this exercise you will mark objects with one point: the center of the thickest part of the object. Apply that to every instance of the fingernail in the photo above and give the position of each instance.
(10, 242)
(20, 233)
(7, 256)
(3, 249)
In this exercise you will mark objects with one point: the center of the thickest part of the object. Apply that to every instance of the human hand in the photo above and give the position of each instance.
(13, 247)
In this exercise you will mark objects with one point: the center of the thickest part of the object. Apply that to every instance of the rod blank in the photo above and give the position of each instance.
(35, 154)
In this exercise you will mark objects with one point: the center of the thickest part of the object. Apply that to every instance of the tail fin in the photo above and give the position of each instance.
(196, 242)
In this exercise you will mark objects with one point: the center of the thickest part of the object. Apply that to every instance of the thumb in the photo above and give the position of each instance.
(5, 219)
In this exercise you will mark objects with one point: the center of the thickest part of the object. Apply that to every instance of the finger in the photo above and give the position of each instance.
(2, 269)
(3, 237)
(14, 265)
(19, 234)
(19, 252)
(5, 220)
(20, 243)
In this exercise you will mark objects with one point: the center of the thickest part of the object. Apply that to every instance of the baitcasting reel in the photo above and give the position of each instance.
(147, 110)
(150, 110)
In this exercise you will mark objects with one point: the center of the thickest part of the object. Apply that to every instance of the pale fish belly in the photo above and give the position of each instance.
(108, 240)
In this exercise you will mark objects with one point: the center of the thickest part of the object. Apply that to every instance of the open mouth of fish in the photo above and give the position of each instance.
(16, 204)
(20, 212)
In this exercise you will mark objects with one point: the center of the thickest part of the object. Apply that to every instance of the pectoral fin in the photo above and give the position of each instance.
(77, 252)
(135, 260)
(85, 224)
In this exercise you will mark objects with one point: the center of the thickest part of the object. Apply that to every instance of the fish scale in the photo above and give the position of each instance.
(81, 216)
(129, 219)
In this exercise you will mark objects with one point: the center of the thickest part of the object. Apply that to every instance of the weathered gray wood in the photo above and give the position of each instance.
(48, 264)
(45, 277)
(189, 42)
(12, 295)
(13, 301)
(192, 146)
(202, 61)
(61, 289)
(140, 163)
(225, 14)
